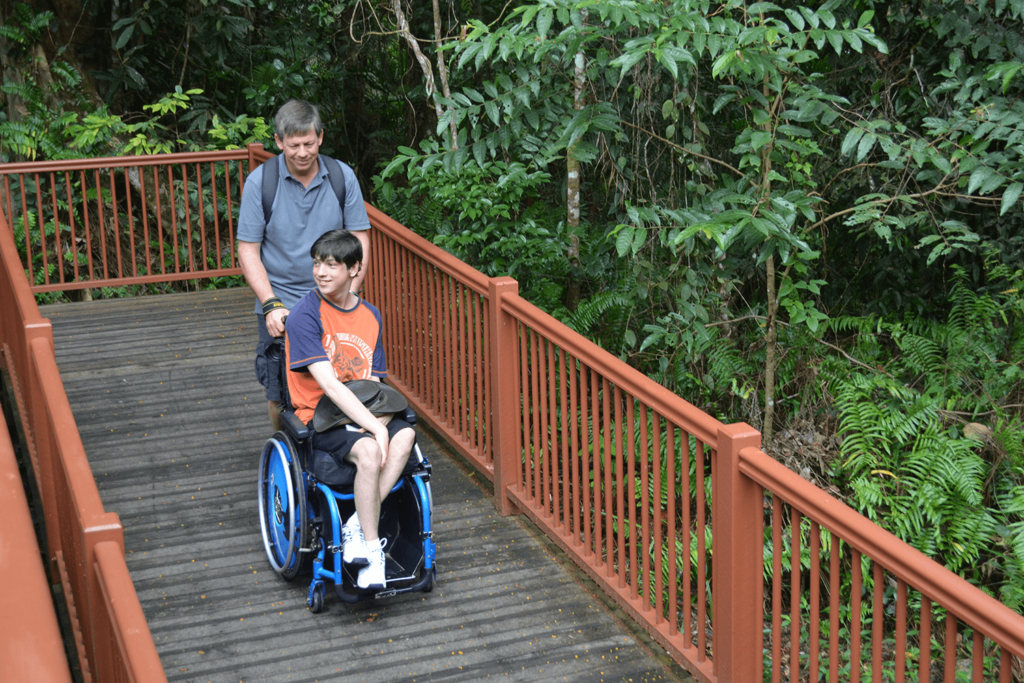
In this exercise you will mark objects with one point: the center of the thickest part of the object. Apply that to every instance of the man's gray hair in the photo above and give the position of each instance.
(296, 117)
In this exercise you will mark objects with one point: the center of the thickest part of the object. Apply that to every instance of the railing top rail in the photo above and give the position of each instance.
(632, 381)
(425, 249)
(981, 611)
(121, 162)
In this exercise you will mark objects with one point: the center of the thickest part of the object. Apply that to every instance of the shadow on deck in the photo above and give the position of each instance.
(173, 421)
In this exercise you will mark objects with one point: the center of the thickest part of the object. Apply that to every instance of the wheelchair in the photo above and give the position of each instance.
(304, 497)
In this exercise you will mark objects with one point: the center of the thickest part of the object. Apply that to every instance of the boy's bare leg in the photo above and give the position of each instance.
(366, 456)
(398, 455)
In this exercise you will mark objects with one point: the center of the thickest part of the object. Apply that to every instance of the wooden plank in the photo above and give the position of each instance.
(173, 421)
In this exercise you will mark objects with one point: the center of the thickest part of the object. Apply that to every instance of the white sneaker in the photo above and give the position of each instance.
(353, 545)
(372, 575)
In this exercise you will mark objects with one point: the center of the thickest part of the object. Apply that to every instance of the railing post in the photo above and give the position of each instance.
(253, 148)
(503, 367)
(738, 526)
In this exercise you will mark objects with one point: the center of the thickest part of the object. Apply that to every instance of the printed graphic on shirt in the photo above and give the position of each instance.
(350, 355)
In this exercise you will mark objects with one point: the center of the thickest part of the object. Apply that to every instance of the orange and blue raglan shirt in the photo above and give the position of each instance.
(350, 340)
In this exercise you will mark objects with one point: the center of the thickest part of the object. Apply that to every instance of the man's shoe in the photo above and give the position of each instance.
(372, 575)
(353, 546)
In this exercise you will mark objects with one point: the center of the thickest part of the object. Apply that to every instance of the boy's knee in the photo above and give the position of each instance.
(365, 454)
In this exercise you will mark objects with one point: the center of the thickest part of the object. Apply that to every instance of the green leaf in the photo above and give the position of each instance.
(544, 19)
(851, 139)
(1010, 197)
(759, 139)
(978, 177)
(624, 240)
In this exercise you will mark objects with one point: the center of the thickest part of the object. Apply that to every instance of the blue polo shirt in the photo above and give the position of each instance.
(299, 216)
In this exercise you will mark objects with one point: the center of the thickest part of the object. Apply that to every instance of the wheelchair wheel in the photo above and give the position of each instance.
(282, 506)
(317, 597)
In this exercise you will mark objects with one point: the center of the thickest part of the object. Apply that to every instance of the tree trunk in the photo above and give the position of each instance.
(572, 199)
(425, 65)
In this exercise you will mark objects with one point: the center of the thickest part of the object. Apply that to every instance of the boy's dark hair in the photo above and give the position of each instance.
(341, 245)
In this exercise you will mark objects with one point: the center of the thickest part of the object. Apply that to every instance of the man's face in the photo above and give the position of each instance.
(333, 279)
(300, 151)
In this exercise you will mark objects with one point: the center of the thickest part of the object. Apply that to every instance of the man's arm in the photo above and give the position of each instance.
(323, 373)
(364, 238)
(256, 275)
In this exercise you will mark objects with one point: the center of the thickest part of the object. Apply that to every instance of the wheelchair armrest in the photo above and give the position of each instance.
(293, 425)
(408, 415)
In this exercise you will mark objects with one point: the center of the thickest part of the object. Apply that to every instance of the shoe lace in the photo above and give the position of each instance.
(350, 534)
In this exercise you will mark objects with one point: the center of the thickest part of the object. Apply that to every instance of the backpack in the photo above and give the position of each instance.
(270, 174)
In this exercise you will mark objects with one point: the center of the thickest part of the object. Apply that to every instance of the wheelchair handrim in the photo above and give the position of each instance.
(285, 470)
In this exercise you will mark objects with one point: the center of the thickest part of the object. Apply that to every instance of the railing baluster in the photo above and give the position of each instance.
(670, 477)
(71, 222)
(901, 631)
(563, 431)
(202, 217)
(56, 229)
(631, 483)
(115, 216)
(776, 587)
(159, 221)
(950, 663)
(216, 215)
(85, 220)
(131, 226)
(814, 611)
(702, 558)
(231, 218)
(659, 615)
(877, 620)
(188, 217)
(645, 515)
(102, 223)
(145, 221)
(606, 463)
(833, 608)
(977, 657)
(794, 592)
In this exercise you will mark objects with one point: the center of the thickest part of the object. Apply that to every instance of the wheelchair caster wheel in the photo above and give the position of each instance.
(317, 595)
(433, 579)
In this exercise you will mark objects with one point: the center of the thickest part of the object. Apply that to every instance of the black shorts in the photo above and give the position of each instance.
(339, 440)
(269, 358)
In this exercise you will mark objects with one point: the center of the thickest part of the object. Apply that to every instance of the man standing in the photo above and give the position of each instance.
(278, 223)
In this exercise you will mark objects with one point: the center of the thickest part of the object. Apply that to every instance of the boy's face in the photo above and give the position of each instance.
(332, 278)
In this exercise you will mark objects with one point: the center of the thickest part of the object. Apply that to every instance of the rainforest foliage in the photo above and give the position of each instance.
(805, 216)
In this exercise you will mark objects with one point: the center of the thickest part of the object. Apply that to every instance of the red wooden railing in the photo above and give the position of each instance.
(29, 622)
(84, 543)
(666, 508)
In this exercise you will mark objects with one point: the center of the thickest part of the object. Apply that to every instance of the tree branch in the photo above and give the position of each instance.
(683, 149)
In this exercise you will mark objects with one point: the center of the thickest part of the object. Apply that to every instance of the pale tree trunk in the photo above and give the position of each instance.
(572, 167)
(442, 70)
(424, 62)
(772, 333)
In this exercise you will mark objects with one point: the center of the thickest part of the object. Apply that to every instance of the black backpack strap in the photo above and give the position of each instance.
(270, 172)
(337, 179)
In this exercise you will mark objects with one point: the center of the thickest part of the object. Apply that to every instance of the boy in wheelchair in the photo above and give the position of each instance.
(334, 336)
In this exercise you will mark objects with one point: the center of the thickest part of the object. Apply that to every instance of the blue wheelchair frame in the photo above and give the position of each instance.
(301, 518)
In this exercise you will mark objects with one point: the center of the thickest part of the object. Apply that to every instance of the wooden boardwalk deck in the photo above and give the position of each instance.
(173, 421)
